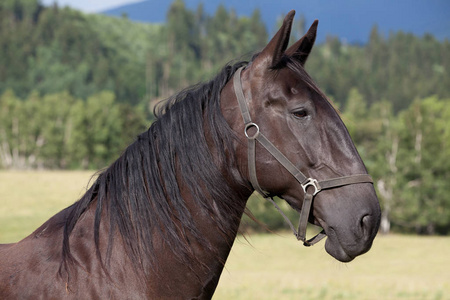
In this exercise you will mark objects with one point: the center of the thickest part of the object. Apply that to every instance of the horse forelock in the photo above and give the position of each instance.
(141, 193)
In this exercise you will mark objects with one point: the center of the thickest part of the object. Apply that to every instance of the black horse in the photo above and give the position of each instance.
(161, 220)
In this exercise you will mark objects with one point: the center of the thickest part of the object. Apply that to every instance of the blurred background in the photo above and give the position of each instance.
(79, 79)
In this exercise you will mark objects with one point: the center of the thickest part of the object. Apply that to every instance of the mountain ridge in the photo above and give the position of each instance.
(350, 20)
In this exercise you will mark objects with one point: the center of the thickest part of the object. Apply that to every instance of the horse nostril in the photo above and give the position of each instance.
(365, 223)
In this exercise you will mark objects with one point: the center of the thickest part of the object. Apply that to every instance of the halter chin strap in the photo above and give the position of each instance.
(310, 186)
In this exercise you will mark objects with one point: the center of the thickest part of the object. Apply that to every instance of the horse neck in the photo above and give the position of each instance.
(207, 221)
(205, 271)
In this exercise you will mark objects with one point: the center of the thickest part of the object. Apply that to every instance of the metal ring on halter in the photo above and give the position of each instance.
(247, 127)
(299, 176)
(311, 182)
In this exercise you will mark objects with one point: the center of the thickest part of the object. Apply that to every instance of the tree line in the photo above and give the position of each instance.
(59, 131)
(75, 89)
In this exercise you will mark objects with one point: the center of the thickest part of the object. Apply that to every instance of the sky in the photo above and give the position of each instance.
(90, 6)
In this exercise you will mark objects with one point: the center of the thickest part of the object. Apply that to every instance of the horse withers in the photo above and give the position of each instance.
(160, 222)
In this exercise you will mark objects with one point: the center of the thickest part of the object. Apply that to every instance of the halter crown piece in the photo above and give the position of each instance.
(305, 182)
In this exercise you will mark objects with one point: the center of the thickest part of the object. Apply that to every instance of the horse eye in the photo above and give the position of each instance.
(300, 114)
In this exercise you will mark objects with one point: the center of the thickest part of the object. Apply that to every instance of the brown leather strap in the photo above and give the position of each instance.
(240, 95)
(305, 182)
(252, 167)
(321, 185)
(283, 160)
(345, 180)
(251, 152)
(304, 215)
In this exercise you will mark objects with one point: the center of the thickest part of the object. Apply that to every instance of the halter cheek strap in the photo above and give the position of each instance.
(310, 186)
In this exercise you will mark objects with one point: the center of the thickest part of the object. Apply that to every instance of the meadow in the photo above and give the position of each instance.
(260, 266)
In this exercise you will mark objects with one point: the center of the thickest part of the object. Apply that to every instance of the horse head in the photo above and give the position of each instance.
(287, 107)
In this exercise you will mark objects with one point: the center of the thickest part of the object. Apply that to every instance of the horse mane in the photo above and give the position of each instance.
(140, 191)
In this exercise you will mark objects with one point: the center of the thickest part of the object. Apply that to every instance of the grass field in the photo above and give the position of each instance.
(267, 266)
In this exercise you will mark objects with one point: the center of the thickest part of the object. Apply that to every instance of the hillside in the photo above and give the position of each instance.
(75, 89)
(349, 20)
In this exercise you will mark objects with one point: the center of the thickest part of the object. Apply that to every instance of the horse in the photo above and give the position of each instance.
(160, 221)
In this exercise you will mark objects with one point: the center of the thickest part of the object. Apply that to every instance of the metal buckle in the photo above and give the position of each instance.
(313, 182)
(247, 127)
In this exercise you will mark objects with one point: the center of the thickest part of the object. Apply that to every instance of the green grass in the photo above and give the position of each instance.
(267, 266)
(29, 198)
(278, 267)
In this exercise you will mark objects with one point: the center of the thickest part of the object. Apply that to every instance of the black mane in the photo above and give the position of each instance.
(140, 191)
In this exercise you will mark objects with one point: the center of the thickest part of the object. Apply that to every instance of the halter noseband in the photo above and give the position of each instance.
(305, 182)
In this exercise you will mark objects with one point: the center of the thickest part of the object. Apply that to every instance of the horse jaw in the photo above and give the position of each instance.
(351, 232)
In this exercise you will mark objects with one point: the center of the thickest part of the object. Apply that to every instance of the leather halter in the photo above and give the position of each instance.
(305, 182)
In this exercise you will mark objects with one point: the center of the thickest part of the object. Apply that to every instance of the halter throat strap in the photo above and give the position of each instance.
(310, 186)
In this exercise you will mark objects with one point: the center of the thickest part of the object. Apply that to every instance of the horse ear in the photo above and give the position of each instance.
(271, 55)
(302, 47)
